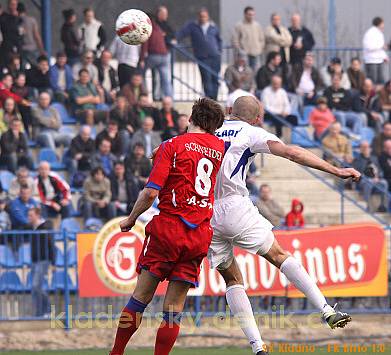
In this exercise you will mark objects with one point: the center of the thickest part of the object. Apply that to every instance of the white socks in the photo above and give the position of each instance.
(297, 275)
(241, 308)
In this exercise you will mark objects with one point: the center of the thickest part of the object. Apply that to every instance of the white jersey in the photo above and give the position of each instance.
(242, 142)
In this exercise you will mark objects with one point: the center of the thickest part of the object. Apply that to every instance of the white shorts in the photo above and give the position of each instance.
(237, 222)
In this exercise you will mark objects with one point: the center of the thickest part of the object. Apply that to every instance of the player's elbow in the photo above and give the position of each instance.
(151, 194)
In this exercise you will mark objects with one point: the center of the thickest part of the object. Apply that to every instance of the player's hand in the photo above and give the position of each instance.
(127, 224)
(346, 173)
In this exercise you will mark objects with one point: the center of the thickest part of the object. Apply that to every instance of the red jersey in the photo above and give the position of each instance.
(185, 170)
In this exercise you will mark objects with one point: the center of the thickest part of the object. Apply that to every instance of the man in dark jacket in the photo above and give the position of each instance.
(81, 150)
(124, 189)
(118, 145)
(272, 67)
(206, 43)
(302, 40)
(42, 255)
(107, 76)
(368, 166)
(385, 162)
(138, 165)
(14, 147)
(38, 77)
(169, 117)
(378, 141)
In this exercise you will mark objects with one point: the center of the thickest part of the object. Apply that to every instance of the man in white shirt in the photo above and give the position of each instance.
(374, 51)
(276, 102)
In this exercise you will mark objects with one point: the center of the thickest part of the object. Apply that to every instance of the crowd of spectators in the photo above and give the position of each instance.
(101, 83)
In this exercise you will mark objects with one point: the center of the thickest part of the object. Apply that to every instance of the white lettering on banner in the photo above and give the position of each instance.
(315, 265)
(207, 151)
(267, 272)
(247, 267)
(216, 281)
(336, 264)
(356, 270)
(120, 252)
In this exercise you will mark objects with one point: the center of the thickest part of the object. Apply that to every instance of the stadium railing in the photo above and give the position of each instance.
(186, 79)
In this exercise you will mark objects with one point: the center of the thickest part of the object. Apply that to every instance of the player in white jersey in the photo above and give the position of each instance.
(237, 222)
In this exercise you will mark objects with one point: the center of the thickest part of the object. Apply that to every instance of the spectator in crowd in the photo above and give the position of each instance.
(162, 21)
(53, 191)
(295, 218)
(155, 56)
(385, 99)
(21, 89)
(91, 32)
(127, 121)
(368, 165)
(19, 207)
(145, 108)
(368, 105)
(306, 81)
(61, 78)
(338, 144)
(107, 77)
(385, 162)
(268, 207)
(85, 97)
(183, 124)
(302, 40)
(10, 29)
(272, 67)
(14, 148)
(380, 138)
(42, 256)
(355, 74)
(147, 137)
(103, 157)
(169, 117)
(48, 123)
(340, 102)
(32, 42)
(278, 38)
(128, 58)
(237, 91)
(5, 220)
(14, 65)
(329, 71)
(38, 76)
(96, 201)
(206, 43)
(241, 72)
(111, 133)
(138, 166)
(248, 37)
(87, 62)
(81, 151)
(321, 118)
(276, 102)
(69, 37)
(5, 91)
(124, 190)
(22, 178)
(8, 113)
(374, 51)
(134, 88)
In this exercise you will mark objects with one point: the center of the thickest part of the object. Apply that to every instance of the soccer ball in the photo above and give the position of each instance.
(133, 27)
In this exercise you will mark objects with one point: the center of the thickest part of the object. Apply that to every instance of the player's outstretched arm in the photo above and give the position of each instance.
(305, 157)
(144, 202)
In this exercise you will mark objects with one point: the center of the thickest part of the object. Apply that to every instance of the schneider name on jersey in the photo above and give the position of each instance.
(242, 142)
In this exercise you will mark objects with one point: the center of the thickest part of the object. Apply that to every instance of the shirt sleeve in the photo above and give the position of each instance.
(162, 166)
(259, 139)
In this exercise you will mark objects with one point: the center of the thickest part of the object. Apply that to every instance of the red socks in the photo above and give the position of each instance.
(167, 333)
(129, 322)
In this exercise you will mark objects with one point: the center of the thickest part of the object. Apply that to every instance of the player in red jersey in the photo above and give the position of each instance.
(177, 240)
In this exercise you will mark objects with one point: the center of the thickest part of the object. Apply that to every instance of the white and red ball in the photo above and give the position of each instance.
(133, 27)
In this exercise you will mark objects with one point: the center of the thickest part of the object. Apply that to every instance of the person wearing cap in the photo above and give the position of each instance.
(241, 72)
(321, 118)
(248, 36)
(61, 79)
(335, 67)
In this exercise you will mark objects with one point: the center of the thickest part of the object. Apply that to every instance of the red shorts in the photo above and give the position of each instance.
(174, 251)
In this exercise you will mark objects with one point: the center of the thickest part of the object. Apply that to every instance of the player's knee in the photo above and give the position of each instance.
(230, 273)
(276, 255)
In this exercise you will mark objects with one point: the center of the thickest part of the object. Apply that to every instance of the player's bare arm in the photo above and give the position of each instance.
(143, 203)
(305, 157)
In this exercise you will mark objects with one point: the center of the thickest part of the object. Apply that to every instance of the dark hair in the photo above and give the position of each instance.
(87, 9)
(377, 21)
(96, 170)
(112, 123)
(5, 75)
(104, 140)
(354, 59)
(42, 58)
(207, 114)
(119, 162)
(24, 187)
(21, 8)
(61, 54)
(138, 145)
(68, 13)
(386, 123)
(36, 210)
(271, 56)
(83, 70)
(247, 9)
